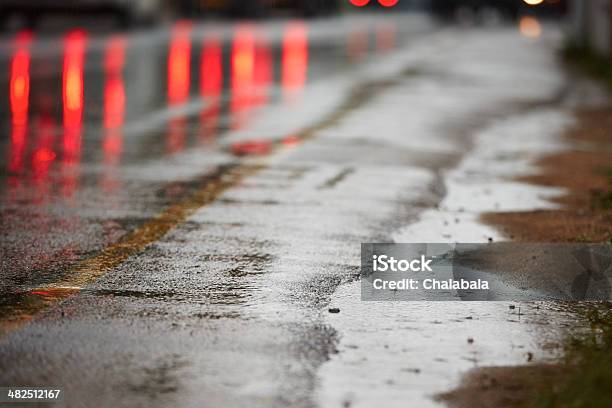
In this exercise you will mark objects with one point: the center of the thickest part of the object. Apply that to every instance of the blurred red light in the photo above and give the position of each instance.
(74, 60)
(40, 293)
(44, 155)
(386, 37)
(179, 82)
(114, 104)
(114, 59)
(243, 73)
(19, 95)
(114, 89)
(243, 61)
(211, 70)
(211, 85)
(262, 75)
(360, 3)
(20, 79)
(388, 3)
(358, 44)
(295, 57)
(252, 148)
(179, 64)
(18, 144)
(291, 140)
(73, 100)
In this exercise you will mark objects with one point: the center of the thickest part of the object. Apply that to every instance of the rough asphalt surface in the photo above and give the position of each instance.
(248, 187)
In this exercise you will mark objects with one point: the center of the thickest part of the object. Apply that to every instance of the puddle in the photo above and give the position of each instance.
(409, 351)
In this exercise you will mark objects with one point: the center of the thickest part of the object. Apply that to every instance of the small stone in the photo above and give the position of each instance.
(512, 307)
(490, 239)
(470, 340)
(334, 310)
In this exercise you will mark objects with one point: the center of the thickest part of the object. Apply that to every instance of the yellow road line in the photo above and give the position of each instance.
(85, 272)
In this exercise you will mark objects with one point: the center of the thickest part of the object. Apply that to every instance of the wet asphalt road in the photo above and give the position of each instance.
(179, 206)
(102, 131)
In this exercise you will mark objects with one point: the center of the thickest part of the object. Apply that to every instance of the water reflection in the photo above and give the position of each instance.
(216, 81)
(263, 71)
(358, 44)
(295, 59)
(179, 83)
(242, 66)
(530, 27)
(386, 36)
(179, 58)
(211, 86)
(44, 153)
(114, 110)
(86, 120)
(73, 103)
(19, 89)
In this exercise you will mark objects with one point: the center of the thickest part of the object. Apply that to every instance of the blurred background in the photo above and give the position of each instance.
(129, 13)
(101, 86)
(114, 111)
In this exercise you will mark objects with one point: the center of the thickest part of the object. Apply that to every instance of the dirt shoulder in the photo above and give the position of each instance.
(495, 387)
(585, 170)
(583, 377)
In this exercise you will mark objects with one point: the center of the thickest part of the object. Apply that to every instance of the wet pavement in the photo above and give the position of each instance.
(102, 133)
(181, 206)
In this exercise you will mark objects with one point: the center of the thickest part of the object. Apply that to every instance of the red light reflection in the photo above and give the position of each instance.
(295, 58)
(114, 100)
(43, 154)
(179, 59)
(243, 74)
(74, 59)
(385, 37)
(291, 140)
(211, 69)
(20, 79)
(252, 148)
(179, 82)
(72, 89)
(263, 72)
(211, 86)
(358, 44)
(114, 89)
(19, 95)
